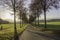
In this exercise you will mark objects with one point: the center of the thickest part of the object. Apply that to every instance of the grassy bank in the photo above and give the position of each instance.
(52, 27)
(7, 32)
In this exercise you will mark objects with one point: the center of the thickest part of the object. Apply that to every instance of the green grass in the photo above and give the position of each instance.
(8, 31)
(50, 25)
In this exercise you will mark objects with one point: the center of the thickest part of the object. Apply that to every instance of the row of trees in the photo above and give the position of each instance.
(40, 6)
(36, 8)
(17, 7)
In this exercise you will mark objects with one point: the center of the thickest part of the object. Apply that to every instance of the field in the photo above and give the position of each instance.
(7, 31)
(50, 25)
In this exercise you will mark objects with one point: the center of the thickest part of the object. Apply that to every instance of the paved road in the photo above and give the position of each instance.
(28, 35)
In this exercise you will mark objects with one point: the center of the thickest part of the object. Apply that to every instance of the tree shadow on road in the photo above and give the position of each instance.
(55, 29)
(45, 35)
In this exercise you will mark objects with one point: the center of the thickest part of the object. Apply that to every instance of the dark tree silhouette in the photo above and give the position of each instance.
(16, 6)
(35, 11)
(22, 12)
(12, 7)
(44, 6)
(0, 24)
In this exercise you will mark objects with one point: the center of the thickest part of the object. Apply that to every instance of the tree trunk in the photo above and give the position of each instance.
(15, 29)
(38, 21)
(35, 21)
(20, 21)
(45, 13)
(45, 18)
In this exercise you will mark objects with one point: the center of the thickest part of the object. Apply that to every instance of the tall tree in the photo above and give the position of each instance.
(22, 11)
(44, 6)
(35, 10)
(12, 4)
(15, 32)
(0, 24)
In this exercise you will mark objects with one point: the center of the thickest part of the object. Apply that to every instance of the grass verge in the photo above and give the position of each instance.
(7, 33)
(52, 28)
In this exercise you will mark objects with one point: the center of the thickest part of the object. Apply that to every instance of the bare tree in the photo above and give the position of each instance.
(44, 6)
(12, 4)
(0, 24)
(22, 15)
(35, 10)
(48, 4)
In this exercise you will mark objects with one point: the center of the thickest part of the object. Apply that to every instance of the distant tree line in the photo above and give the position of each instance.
(3, 22)
(51, 20)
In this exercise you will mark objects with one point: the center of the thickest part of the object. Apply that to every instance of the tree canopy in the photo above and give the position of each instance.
(36, 8)
(39, 6)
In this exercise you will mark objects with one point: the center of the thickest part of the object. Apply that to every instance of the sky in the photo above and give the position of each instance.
(5, 14)
(52, 14)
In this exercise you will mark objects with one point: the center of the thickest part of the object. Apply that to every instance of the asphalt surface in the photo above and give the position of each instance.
(30, 35)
